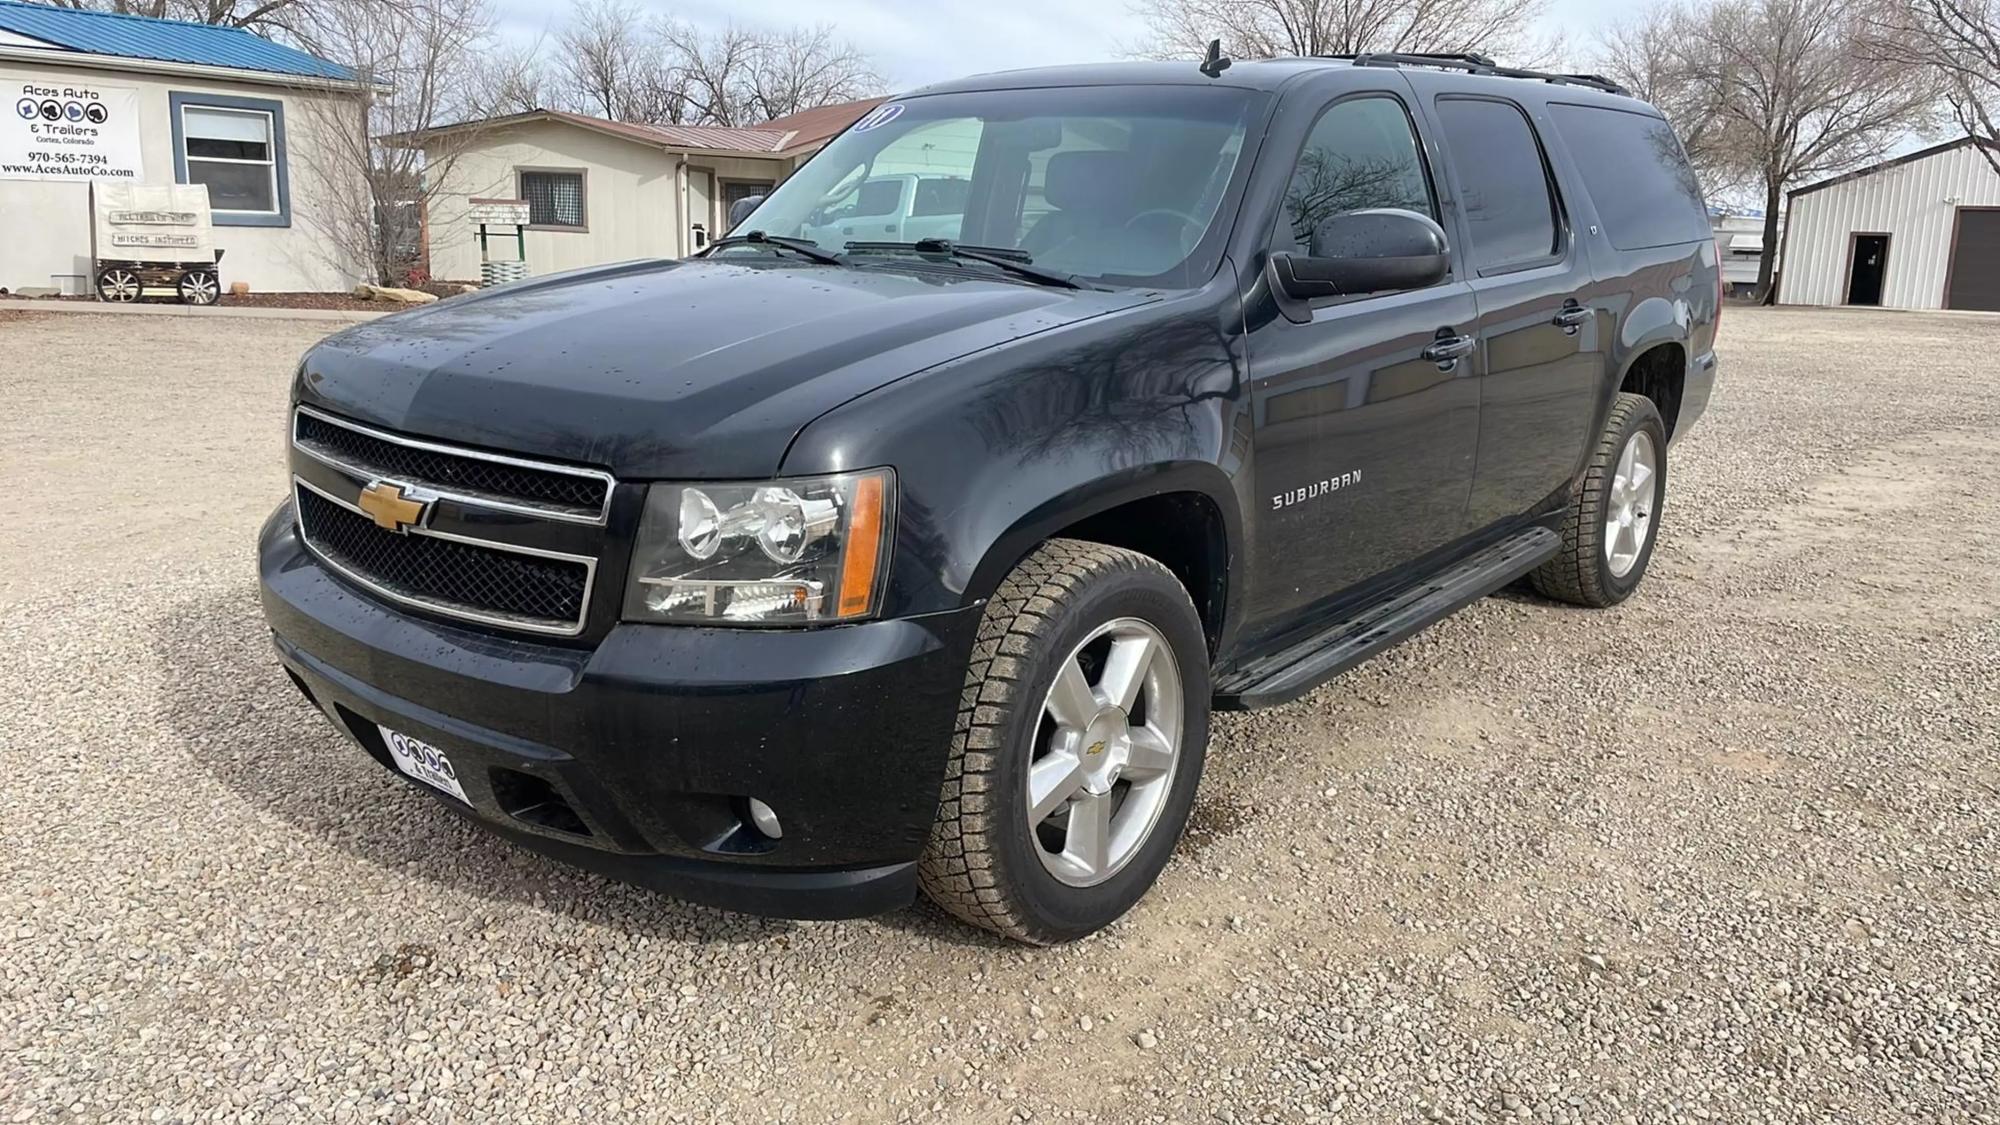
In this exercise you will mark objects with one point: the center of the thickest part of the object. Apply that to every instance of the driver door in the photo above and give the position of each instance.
(1366, 432)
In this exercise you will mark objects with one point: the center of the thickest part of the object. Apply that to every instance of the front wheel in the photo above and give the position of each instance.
(1080, 741)
(1608, 536)
(120, 284)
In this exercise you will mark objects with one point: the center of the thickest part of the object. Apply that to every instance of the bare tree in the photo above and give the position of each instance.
(413, 63)
(802, 68)
(608, 65)
(740, 76)
(1772, 92)
(509, 78)
(1274, 28)
(1959, 42)
(1648, 56)
(713, 67)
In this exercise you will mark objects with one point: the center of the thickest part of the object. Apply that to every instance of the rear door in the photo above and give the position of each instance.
(1544, 353)
(937, 210)
(1364, 443)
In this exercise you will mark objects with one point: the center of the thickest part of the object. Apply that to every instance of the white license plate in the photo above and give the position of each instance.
(422, 761)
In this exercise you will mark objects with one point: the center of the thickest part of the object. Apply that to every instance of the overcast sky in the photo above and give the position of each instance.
(920, 41)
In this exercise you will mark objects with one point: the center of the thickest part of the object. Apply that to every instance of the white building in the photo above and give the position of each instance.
(96, 96)
(1918, 232)
(1739, 235)
(606, 191)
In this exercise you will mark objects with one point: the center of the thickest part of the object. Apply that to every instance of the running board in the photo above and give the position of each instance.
(1284, 676)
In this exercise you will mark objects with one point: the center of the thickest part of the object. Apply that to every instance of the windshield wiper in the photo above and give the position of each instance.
(1013, 261)
(801, 246)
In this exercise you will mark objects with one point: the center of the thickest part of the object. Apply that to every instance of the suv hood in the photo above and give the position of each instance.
(660, 370)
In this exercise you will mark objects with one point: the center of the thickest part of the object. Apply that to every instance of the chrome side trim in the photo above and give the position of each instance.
(448, 609)
(476, 498)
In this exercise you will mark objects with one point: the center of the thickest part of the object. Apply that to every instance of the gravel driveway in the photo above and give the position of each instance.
(1723, 854)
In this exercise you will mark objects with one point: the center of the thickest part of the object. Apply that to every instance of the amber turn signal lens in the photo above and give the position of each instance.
(864, 550)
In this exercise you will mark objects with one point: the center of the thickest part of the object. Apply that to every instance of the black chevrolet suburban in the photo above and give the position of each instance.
(817, 570)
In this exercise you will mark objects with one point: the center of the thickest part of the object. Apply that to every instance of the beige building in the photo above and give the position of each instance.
(607, 191)
(99, 97)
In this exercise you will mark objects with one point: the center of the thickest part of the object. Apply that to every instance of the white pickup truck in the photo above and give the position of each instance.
(902, 207)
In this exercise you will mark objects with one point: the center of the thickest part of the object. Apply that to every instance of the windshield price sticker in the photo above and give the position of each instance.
(879, 116)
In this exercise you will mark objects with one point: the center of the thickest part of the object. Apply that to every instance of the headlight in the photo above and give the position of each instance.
(784, 552)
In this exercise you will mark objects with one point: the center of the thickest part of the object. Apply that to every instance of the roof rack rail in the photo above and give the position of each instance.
(1479, 64)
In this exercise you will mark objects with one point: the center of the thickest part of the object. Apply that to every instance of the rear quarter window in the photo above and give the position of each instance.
(1635, 171)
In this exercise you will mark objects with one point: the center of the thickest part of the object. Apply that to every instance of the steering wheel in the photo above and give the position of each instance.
(1186, 219)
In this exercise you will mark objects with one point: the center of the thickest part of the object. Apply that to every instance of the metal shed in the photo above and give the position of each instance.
(1921, 231)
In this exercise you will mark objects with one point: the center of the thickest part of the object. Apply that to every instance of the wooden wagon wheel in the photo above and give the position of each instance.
(200, 287)
(118, 283)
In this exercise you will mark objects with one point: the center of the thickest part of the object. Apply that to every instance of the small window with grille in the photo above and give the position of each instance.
(555, 199)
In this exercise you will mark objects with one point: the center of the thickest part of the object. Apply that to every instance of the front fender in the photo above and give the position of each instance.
(1005, 543)
(1000, 451)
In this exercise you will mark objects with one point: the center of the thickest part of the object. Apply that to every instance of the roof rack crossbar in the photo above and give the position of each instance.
(1479, 64)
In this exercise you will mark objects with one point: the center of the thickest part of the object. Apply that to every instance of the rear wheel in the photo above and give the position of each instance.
(200, 287)
(1080, 741)
(1608, 536)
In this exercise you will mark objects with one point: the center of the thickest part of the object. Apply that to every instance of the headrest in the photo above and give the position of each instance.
(1088, 180)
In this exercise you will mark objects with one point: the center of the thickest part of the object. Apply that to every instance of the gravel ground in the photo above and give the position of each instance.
(1723, 854)
(305, 300)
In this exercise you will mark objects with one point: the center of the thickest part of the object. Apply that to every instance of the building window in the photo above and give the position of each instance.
(555, 199)
(235, 147)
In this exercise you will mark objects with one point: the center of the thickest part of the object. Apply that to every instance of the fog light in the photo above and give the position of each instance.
(764, 819)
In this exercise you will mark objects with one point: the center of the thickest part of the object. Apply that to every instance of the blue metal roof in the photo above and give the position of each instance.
(138, 37)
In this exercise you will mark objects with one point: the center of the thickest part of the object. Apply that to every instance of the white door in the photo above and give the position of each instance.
(700, 209)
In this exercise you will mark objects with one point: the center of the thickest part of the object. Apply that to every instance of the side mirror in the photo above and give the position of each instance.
(740, 210)
(1376, 251)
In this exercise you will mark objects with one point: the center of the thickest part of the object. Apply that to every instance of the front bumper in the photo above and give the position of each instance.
(634, 758)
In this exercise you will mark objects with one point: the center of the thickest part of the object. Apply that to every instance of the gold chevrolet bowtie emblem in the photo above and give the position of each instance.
(1095, 749)
(390, 508)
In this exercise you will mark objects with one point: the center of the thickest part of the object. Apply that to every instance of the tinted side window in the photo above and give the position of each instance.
(1361, 154)
(1636, 173)
(1503, 183)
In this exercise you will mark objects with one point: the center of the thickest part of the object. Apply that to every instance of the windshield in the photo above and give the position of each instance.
(1112, 183)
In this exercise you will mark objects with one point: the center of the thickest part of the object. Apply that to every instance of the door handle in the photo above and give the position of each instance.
(1572, 317)
(1445, 351)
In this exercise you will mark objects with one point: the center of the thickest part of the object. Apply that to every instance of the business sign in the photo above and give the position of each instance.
(497, 212)
(153, 223)
(66, 131)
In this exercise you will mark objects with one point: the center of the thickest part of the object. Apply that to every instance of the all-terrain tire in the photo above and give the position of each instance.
(1580, 573)
(981, 864)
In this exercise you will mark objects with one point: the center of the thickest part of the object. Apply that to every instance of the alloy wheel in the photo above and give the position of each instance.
(1628, 515)
(1105, 752)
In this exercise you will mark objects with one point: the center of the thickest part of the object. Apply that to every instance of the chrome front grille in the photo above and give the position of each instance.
(499, 540)
(492, 479)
